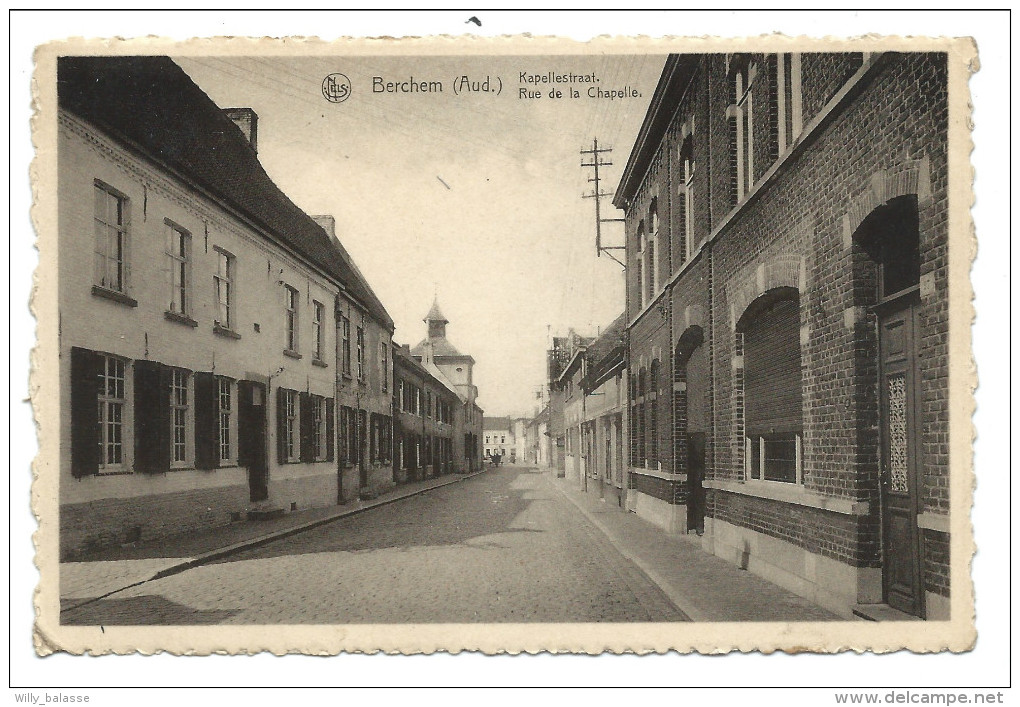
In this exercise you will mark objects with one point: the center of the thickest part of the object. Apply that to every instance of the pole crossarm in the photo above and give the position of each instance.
(597, 194)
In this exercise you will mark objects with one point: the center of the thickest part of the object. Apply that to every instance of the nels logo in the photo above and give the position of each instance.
(336, 88)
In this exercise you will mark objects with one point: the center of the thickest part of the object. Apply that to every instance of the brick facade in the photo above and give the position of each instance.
(823, 142)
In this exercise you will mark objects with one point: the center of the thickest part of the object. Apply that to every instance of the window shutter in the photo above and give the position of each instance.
(330, 432)
(245, 433)
(281, 425)
(152, 417)
(772, 378)
(307, 421)
(207, 427)
(86, 368)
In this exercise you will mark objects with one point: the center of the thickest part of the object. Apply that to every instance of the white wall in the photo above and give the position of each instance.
(143, 332)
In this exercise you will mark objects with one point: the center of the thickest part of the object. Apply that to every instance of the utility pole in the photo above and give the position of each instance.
(597, 194)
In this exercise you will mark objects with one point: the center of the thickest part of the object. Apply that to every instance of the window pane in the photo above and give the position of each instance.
(781, 458)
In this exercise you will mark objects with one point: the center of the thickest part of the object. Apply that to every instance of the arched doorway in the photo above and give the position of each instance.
(889, 236)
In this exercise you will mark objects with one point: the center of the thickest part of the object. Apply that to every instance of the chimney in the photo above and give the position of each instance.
(248, 121)
(328, 224)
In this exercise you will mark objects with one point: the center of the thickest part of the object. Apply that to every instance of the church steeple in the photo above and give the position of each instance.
(436, 321)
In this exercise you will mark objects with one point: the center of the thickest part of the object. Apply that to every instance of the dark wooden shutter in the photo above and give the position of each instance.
(207, 424)
(281, 425)
(307, 424)
(772, 380)
(152, 417)
(245, 421)
(330, 430)
(86, 369)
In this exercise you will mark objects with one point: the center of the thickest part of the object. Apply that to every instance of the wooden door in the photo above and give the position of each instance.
(251, 423)
(898, 396)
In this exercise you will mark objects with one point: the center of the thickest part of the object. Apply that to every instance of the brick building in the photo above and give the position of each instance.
(787, 318)
(197, 343)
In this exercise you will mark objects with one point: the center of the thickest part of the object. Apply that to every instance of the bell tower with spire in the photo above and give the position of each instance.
(436, 348)
(436, 322)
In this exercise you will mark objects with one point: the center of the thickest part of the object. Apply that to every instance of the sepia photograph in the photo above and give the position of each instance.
(513, 345)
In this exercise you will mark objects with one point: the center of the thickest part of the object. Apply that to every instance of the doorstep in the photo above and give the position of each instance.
(882, 612)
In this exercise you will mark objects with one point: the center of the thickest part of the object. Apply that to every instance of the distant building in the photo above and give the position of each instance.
(604, 385)
(425, 406)
(498, 437)
(456, 369)
(558, 358)
(364, 378)
(539, 441)
(521, 440)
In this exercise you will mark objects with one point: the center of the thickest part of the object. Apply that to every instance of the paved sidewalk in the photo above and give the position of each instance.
(110, 570)
(703, 586)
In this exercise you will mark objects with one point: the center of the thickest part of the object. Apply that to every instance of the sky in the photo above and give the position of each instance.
(474, 198)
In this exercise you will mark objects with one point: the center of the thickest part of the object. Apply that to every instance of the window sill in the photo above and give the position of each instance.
(789, 493)
(320, 363)
(114, 296)
(116, 472)
(225, 332)
(180, 319)
(938, 522)
(171, 469)
(658, 473)
(292, 354)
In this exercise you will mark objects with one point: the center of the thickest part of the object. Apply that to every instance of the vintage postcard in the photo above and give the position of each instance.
(503, 345)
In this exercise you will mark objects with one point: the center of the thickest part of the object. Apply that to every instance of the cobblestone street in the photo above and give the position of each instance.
(504, 546)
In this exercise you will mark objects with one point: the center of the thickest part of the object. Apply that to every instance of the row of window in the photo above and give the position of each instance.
(768, 393)
(112, 268)
(178, 418)
(292, 300)
(358, 428)
(145, 416)
(778, 78)
(502, 439)
(304, 427)
(412, 399)
(416, 451)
